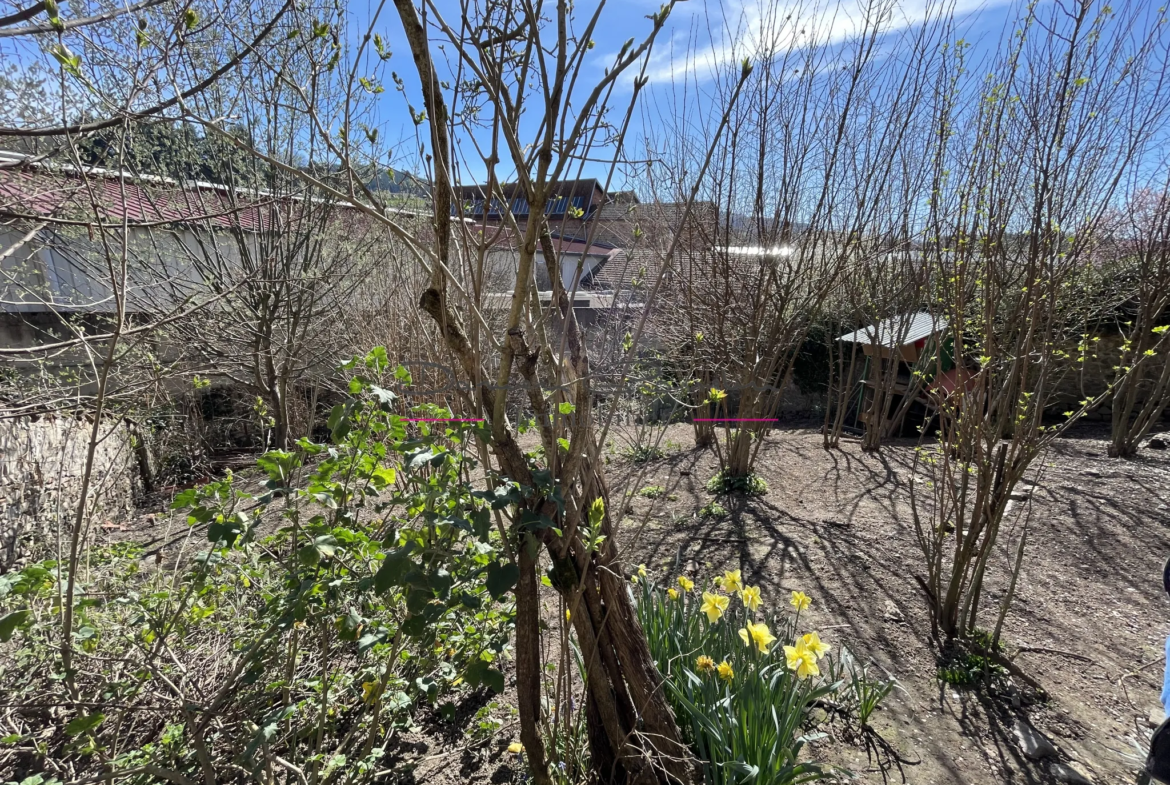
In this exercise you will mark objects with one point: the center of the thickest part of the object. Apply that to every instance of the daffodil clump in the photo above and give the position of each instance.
(740, 673)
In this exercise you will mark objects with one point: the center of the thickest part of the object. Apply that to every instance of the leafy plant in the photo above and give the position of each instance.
(713, 510)
(864, 692)
(740, 678)
(656, 492)
(364, 578)
(642, 453)
(968, 664)
(724, 483)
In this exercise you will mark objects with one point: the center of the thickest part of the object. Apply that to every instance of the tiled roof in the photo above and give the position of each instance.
(626, 271)
(34, 193)
(43, 190)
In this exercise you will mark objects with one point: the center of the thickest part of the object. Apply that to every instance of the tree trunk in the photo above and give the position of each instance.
(739, 454)
(632, 730)
(704, 429)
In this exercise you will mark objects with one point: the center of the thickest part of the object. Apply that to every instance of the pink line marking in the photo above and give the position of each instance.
(444, 419)
(735, 419)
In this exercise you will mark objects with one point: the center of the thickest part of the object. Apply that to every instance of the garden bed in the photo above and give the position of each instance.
(1090, 614)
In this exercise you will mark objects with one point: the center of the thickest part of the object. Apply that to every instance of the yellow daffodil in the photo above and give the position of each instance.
(801, 660)
(686, 583)
(800, 600)
(672, 593)
(633, 579)
(751, 598)
(758, 634)
(714, 605)
(704, 664)
(568, 615)
(813, 643)
(641, 570)
(515, 748)
(725, 671)
(731, 581)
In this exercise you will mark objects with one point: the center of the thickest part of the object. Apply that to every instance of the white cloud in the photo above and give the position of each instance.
(709, 37)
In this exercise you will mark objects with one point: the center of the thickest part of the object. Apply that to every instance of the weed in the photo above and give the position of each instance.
(864, 692)
(713, 510)
(747, 484)
(967, 664)
(640, 453)
(656, 492)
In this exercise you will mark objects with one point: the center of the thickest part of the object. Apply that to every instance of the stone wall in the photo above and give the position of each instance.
(1088, 379)
(42, 461)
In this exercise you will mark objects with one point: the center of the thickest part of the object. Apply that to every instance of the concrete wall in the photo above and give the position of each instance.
(42, 461)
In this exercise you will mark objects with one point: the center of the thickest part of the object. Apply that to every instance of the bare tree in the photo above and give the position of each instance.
(814, 183)
(1020, 189)
(1141, 393)
(508, 62)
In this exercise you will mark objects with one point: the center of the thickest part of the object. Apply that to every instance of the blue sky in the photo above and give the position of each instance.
(698, 37)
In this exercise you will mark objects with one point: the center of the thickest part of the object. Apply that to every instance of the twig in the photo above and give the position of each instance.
(1140, 668)
(1045, 650)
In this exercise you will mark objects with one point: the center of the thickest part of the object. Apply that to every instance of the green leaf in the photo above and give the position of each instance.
(482, 524)
(83, 724)
(69, 61)
(339, 421)
(564, 407)
(278, 464)
(185, 499)
(268, 729)
(470, 601)
(534, 521)
(10, 622)
(394, 568)
(309, 446)
(190, 18)
(371, 639)
(440, 582)
(417, 600)
(323, 547)
(501, 578)
(479, 673)
(382, 477)
(349, 625)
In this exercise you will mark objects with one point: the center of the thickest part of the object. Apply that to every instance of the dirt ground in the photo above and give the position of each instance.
(837, 525)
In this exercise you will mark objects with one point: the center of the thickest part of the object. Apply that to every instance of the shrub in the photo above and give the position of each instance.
(379, 587)
(741, 679)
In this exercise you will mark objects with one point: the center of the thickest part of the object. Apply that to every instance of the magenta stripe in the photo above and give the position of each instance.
(735, 419)
(444, 419)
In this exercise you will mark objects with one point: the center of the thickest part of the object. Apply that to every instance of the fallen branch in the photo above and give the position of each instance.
(1062, 652)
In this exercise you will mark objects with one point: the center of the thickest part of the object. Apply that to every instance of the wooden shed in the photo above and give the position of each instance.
(902, 356)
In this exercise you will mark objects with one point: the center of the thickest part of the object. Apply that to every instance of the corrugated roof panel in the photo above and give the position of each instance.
(898, 330)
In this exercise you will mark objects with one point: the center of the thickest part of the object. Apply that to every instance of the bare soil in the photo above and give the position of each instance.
(1088, 623)
(837, 524)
